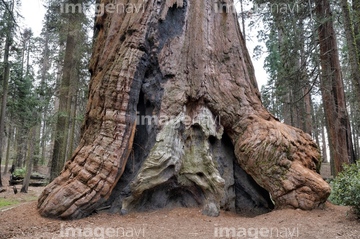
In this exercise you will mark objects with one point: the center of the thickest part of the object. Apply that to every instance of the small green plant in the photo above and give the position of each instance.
(346, 187)
(20, 172)
(7, 202)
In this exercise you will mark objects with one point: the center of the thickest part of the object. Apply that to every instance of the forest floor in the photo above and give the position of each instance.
(20, 219)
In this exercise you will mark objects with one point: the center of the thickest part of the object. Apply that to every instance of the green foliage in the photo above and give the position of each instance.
(289, 41)
(7, 202)
(346, 187)
(20, 172)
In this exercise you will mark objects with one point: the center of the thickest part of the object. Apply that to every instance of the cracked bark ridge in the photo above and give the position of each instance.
(181, 60)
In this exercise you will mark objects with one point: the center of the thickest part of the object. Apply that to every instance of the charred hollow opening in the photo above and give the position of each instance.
(173, 24)
(144, 139)
(241, 193)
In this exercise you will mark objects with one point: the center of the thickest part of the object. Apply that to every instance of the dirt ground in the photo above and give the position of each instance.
(23, 221)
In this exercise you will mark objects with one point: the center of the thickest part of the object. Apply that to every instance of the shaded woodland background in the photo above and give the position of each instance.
(313, 57)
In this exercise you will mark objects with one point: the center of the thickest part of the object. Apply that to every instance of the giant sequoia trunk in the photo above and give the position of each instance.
(174, 118)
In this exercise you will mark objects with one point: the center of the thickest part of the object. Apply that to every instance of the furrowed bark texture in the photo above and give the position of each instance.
(175, 119)
(332, 90)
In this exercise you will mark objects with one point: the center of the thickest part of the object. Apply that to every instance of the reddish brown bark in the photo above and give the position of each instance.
(332, 89)
(176, 59)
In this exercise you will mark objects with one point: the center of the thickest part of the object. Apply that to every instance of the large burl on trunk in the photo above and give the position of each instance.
(174, 118)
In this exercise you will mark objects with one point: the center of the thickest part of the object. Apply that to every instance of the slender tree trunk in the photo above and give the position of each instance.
(43, 138)
(353, 50)
(356, 25)
(73, 124)
(6, 77)
(65, 95)
(20, 149)
(286, 108)
(73, 95)
(355, 140)
(307, 103)
(7, 157)
(29, 160)
(37, 150)
(166, 65)
(243, 19)
(323, 139)
(332, 89)
(316, 125)
(357, 146)
(306, 115)
(44, 109)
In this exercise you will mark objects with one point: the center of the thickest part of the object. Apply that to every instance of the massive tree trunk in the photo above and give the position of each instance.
(332, 90)
(174, 118)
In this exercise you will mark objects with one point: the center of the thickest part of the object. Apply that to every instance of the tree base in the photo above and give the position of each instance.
(192, 164)
(218, 147)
